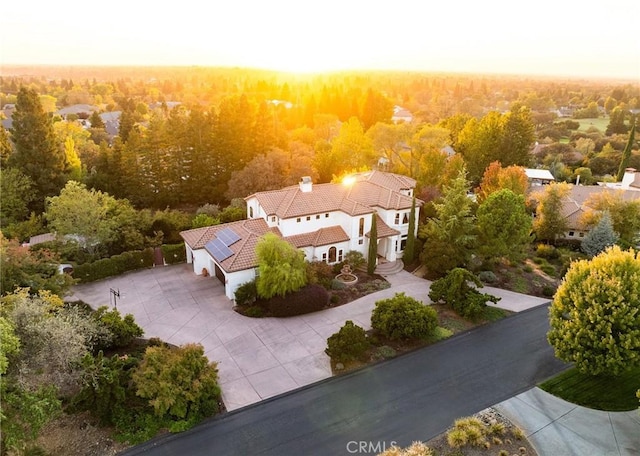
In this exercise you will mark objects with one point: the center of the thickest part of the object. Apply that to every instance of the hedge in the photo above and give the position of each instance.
(174, 253)
(117, 264)
(310, 298)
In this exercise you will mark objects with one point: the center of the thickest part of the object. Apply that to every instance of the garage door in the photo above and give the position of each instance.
(219, 273)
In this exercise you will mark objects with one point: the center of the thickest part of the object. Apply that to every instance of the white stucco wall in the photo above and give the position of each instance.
(235, 279)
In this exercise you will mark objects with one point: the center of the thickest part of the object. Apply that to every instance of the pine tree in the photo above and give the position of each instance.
(37, 153)
(373, 246)
(626, 153)
(409, 249)
(600, 237)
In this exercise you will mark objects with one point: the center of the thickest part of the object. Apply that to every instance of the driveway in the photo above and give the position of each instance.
(257, 358)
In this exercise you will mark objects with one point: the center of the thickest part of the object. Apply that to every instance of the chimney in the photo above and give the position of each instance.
(628, 178)
(306, 184)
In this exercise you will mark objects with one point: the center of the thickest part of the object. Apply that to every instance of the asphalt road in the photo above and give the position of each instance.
(412, 397)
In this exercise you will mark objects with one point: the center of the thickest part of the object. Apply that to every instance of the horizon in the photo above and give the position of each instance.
(549, 39)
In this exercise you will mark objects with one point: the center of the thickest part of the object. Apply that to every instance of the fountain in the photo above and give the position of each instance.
(346, 276)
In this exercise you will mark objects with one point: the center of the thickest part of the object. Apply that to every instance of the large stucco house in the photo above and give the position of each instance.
(325, 221)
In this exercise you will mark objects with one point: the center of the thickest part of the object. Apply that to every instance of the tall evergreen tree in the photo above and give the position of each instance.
(373, 246)
(37, 153)
(409, 248)
(626, 153)
(600, 237)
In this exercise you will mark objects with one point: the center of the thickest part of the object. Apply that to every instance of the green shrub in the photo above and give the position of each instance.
(547, 251)
(174, 253)
(526, 268)
(385, 352)
(455, 291)
(487, 277)
(539, 260)
(310, 298)
(338, 285)
(246, 293)
(355, 259)
(350, 343)
(116, 265)
(254, 312)
(441, 333)
(548, 291)
(403, 317)
(548, 269)
(124, 330)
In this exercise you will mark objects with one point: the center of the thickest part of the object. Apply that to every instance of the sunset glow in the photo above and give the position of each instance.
(546, 37)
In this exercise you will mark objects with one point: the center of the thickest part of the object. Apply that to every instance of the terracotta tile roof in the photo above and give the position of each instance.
(244, 250)
(323, 236)
(371, 189)
(573, 212)
(383, 230)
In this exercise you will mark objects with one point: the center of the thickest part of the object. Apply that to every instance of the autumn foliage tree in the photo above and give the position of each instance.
(497, 178)
(550, 221)
(594, 316)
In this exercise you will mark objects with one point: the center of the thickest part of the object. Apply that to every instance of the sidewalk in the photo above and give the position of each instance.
(556, 427)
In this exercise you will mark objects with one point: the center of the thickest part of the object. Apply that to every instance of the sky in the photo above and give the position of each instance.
(596, 38)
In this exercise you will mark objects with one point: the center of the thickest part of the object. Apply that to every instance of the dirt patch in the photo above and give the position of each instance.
(78, 435)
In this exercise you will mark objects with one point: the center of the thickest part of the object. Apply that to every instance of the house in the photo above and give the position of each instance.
(538, 177)
(630, 181)
(401, 115)
(80, 110)
(325, 221)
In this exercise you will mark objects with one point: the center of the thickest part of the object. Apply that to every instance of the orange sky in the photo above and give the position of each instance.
(560, 37)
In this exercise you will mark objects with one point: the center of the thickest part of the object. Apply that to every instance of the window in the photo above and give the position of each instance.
(581, 234)
(571, 233)
(360, 241)
(250, 212)
(308, 218)
(332, 255)
(339, 255)
(318, 217)
(403, 242)
(405, 218)
(273, 219)
(397, 220)
(326, 215)
(298, 219)
(324, 257)
(361, 228)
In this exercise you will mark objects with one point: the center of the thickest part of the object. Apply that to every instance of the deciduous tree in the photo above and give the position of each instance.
(282, 268)
(594, 315)
(550, 221)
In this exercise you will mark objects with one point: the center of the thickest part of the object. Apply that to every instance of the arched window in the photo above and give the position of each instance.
(332, 255)
(250, 212)
(361, 228)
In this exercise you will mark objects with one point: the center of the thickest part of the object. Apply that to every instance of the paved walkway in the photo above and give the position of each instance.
(556, 427)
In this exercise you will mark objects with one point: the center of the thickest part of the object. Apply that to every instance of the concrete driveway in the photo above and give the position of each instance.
(257, 357)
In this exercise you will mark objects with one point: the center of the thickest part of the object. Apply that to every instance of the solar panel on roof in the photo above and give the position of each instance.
(219, 251)
(228, 236)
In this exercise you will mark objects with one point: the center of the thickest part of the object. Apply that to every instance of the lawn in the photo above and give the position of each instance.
(612, 394)
(600, 123)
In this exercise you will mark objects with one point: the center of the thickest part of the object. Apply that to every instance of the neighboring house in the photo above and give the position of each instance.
(538, 177)
(111, 122)
(325, 221)
(574, 205)
(400, 115)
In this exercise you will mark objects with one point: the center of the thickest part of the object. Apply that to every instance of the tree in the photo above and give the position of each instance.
(95, 120)
(450, 237)
(179, 383)
(550, 221)
(372, 255)
(83, 213)
(32, 268)
(600, 236)
(626, 153)
(9, 343)
(37, 154)
(616, 122)
(376, 108)
(504, 227)
(455, 291)
(625, 214)
(6, 149)
(16, 195)
(403, 317)
(496, 178)
(281, 267)
(350, 343)
(594, 315)
(409, 248)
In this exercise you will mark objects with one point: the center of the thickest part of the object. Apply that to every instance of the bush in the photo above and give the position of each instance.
(309, 299)
(548, 269)
(547, 251)
(116, 265)
(124, 330)
(350, 343)
(355, 259)
(338, 285)
(455, 291)
(548, 291)
(487, 277)
(319, 272)
(403, 317)
(174, 253)
(385, 352)
(246, 293)
(254, 312)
